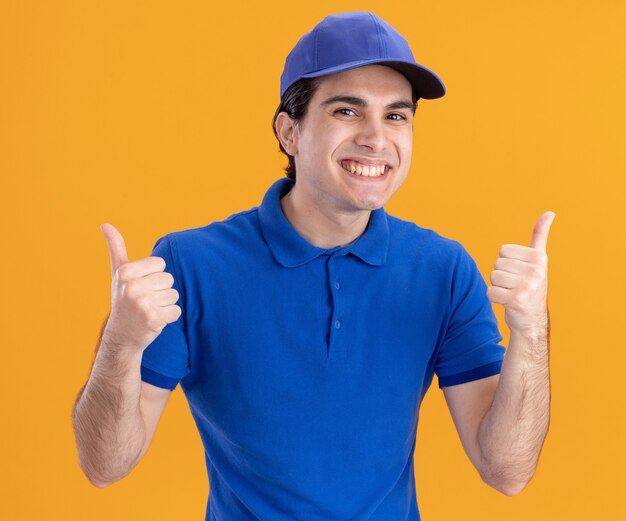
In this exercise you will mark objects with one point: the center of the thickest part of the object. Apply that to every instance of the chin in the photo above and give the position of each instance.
(370, 204)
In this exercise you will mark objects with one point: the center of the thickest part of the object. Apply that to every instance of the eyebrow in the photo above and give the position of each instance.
(360, 102)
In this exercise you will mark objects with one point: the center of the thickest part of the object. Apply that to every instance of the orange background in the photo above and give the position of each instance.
(156, 117)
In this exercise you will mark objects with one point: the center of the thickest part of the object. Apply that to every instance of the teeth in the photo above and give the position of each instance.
(362, 170)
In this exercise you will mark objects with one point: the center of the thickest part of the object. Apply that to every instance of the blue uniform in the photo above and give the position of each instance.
(305, 368)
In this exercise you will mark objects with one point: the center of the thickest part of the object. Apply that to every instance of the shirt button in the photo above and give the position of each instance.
(337, 285)
(337, 324)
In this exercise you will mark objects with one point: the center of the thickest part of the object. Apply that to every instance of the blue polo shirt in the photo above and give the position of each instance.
(305, 368)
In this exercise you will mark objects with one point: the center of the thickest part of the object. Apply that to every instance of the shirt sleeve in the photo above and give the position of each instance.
(166, 360)
(471, 346)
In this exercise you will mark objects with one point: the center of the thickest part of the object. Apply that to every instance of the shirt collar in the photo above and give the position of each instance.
(290, 249)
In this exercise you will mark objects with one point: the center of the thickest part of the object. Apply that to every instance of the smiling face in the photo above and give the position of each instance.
(353, 148)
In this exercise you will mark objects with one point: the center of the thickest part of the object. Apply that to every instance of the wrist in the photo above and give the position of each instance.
(110, 348)
(532, 336)
(538, 333)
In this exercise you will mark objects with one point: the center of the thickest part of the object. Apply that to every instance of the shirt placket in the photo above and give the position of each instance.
(336, 349)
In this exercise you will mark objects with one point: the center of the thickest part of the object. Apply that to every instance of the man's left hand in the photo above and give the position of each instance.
(520, 282)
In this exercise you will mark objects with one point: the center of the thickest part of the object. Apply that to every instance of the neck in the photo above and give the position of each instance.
(320, 226)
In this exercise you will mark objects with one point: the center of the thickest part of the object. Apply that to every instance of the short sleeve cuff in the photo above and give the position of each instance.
(473, 374)
(154, 378)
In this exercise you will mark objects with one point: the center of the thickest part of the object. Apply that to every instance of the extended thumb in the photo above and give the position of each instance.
(116, 246)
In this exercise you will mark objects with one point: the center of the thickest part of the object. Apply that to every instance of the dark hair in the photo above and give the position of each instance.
(295, 102)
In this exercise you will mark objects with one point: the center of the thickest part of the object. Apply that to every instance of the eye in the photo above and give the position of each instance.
(399, 118)
(343, 111)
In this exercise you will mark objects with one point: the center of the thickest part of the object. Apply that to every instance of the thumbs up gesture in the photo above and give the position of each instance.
(143, 301)
(520, 281)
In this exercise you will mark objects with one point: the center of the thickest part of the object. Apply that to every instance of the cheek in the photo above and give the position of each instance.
(322, 154)
(406, 149)
(316, 145)
(408, 152)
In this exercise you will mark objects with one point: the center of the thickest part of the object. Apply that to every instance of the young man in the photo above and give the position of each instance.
(309, 329)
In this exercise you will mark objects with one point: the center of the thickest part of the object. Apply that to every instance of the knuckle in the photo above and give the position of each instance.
(158, 327)
(520, 297)
(131, 289)
(122, 273)
(154, 319)
(159, 263)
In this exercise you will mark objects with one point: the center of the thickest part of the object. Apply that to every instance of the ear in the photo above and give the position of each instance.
(287, 132)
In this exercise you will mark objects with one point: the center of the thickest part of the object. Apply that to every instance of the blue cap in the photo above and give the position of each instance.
(349, 40)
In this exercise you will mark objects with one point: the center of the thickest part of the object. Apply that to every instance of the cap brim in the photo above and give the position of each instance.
(426, 83)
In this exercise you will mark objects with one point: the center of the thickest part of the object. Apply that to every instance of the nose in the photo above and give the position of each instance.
(371, 133)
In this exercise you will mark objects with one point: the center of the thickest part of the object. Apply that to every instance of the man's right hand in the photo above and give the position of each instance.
(143, 301)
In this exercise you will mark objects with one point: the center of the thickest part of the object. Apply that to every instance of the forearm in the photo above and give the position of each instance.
(512, 432)
(108, 425)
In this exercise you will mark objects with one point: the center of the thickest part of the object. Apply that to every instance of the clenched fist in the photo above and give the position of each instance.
(143, 301)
